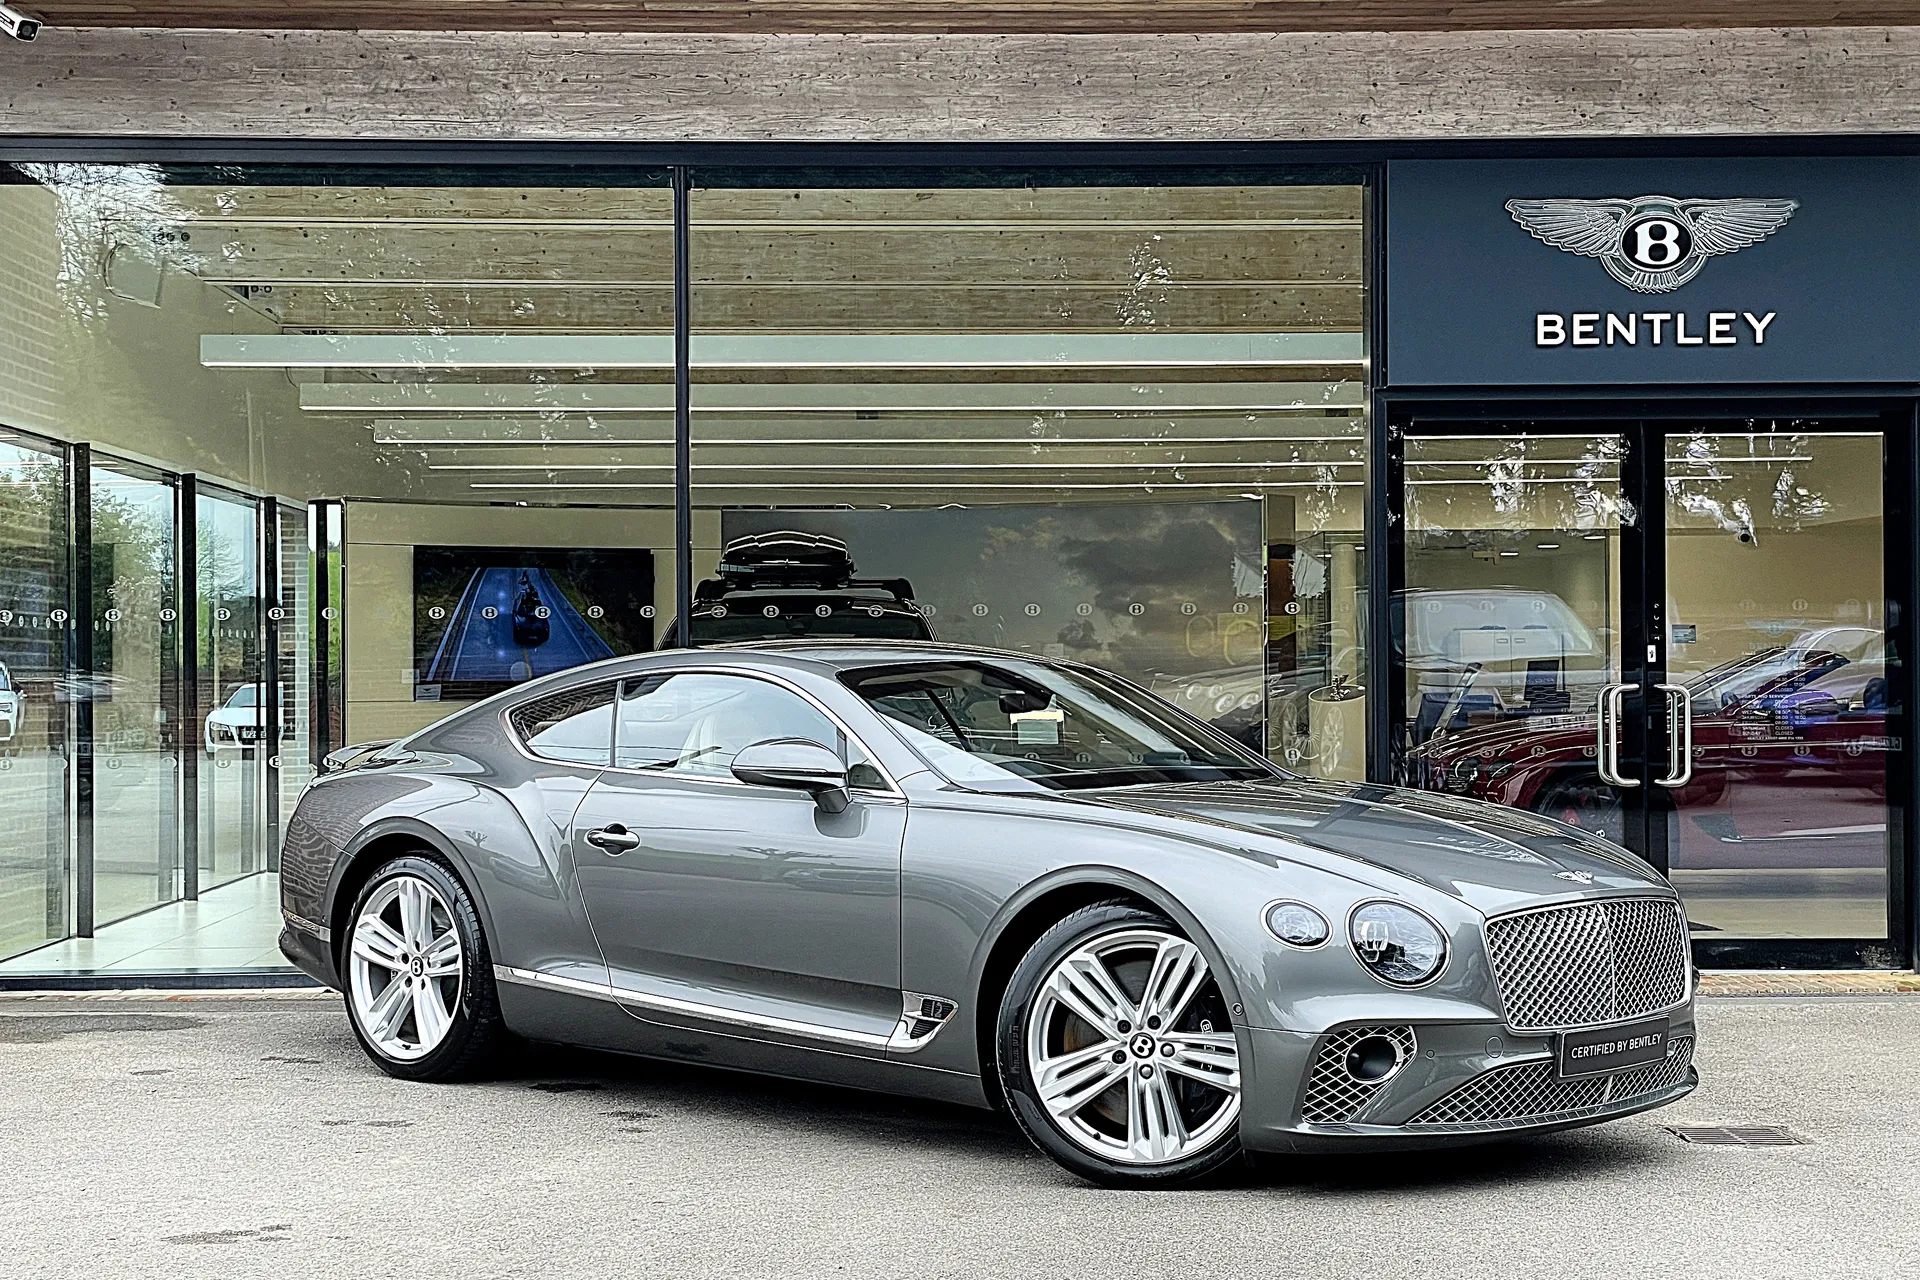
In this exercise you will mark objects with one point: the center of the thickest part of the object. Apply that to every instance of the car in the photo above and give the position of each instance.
(235, 724)
(1798, 714)
(990, 879)
(790, 585)
(11, 708)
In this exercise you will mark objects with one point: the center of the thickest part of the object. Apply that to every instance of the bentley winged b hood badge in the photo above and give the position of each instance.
(1651, 244)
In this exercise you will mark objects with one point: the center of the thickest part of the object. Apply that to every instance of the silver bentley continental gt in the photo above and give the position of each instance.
(991, 879)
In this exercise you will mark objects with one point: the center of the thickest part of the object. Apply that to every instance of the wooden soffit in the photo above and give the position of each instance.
(975, 16)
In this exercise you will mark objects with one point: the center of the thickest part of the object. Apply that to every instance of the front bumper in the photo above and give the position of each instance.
(1464, 1082)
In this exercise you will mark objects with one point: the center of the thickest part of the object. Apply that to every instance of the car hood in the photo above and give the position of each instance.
(1490, 857)
(1511, 738)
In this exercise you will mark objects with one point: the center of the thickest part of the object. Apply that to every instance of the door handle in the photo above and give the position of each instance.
(1679, 736)
(1606, 747)
(614, 838)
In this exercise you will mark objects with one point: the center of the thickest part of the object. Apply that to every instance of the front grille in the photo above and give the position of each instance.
(1333, 1094)
(1590, 963)
(1528, 1092)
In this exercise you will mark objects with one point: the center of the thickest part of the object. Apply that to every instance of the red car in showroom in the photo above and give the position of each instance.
(1803, 717)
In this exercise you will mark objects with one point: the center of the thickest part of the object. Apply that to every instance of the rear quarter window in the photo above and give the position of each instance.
(574, 726)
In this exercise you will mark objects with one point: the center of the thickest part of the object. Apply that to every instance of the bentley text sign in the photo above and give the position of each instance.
(1721, 270)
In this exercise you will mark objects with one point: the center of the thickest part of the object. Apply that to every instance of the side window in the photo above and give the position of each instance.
(575, 726)
(698, 722)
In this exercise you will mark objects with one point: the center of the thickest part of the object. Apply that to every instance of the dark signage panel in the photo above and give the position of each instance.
(1564, 272)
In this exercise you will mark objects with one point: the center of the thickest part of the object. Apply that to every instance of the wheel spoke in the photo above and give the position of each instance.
(430, 1016)
(1069, 1082)
(389, 1010)
(1179, 972)
(1084, 986)
(375, 941)
(416, 910)
(1155, 1129)
(1211, 1058)
(442, 959)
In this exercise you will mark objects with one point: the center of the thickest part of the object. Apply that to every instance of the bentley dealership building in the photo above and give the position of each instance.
(1514, 408)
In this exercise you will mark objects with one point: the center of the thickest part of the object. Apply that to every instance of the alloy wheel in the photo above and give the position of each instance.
(406, 965)
(1130, 1049)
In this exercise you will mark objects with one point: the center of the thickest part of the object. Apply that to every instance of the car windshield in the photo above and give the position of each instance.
(246, 695)
(1008, 725)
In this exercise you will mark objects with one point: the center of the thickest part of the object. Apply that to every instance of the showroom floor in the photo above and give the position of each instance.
(234, 927)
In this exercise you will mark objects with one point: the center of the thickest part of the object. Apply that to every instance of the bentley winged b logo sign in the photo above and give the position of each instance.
(1651, 244)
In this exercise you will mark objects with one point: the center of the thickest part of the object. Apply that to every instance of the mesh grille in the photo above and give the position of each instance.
(1590, 963)
(1333, 1095)
(1529, 1091)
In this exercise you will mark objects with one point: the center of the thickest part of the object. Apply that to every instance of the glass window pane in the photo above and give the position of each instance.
(698, 723)
(34, 819)
(229, 646)
(1121, 424)
(135, 621)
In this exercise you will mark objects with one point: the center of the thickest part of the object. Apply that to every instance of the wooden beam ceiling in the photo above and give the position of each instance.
(957, 16)
(1007, 260)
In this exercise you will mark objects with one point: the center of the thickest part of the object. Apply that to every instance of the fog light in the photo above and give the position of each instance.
(1373, 1059)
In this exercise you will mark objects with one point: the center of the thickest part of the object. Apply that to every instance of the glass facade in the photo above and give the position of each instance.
(301, 458)
(1123, 424)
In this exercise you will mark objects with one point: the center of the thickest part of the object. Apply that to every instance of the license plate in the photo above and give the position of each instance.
(1601, 1051)
(249, 735)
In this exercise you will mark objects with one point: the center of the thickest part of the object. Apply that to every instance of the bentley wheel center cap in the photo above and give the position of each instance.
(1143, 1046)
(417, 968)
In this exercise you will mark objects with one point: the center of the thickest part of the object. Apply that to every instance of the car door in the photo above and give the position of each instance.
(717, 900)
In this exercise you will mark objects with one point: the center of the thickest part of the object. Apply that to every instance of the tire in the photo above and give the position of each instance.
(444, 1023)
(1584, 802)
(1054, 1044)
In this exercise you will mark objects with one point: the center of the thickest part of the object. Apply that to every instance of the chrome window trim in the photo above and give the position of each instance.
(1446, 944)
(1692, 975)
(892, 789)
(689, 1008)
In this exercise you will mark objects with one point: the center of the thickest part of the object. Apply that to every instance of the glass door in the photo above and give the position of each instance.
(1510, 623)
(1781, 681)
(1678, 635)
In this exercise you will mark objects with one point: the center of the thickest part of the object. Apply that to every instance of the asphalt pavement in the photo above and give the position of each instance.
(239, 1138)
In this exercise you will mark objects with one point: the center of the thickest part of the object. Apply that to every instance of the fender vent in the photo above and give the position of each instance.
(920, 1017)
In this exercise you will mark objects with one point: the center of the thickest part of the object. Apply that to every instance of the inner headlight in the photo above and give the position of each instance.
(1397, 943)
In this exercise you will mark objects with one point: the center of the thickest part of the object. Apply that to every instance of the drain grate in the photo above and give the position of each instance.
(1736, 1135)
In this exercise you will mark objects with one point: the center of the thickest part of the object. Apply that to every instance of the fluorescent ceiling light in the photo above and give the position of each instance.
(578, 433)
(944, 487)
(858, 397)
(875, 466)
(775, 350)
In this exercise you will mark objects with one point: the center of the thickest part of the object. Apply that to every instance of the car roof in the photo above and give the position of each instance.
(848, 653)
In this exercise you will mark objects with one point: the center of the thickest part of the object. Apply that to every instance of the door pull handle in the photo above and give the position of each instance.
(614, 838)
(1606, 747)
(1679, 736)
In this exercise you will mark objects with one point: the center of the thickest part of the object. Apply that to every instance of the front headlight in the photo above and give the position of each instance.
(1398, 944)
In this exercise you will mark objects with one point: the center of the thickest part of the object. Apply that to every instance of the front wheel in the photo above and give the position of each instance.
(1117, 1052)
(419, 978)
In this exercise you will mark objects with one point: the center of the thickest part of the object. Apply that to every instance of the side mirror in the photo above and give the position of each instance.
(798, 765)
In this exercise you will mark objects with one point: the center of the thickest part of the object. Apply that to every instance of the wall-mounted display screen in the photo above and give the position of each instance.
(485, 618)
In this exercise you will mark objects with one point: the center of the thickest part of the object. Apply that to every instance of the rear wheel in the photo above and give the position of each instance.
(418, 975)
(1117, 1052)
(1584, 802)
